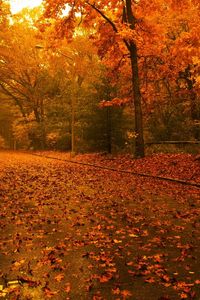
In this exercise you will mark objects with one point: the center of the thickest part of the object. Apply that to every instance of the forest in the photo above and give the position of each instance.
(99, 149)
(99, 78)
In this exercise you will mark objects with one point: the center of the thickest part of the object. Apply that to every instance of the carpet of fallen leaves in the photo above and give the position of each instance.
(75, 232)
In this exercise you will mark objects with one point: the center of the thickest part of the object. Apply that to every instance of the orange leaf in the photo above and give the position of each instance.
(49, 293)
(126, 293)
(105, 278)
(116, 291)
(59, 277)
(67, 288)
(197, 281)
(184, 296)
(150, 280)
(117, 241)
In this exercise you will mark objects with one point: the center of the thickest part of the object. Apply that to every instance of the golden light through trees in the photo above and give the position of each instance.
(18, 5)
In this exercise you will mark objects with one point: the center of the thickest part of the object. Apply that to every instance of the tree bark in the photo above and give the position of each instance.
(139, 140)
(195, 116)
(109, 131)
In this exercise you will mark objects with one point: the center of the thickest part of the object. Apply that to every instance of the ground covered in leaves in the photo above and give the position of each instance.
(71, 231)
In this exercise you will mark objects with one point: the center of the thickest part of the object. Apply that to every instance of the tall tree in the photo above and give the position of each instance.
(141, 30)
(110, 18)
(24, 76)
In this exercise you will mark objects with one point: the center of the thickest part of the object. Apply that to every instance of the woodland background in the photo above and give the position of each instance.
(53, 63)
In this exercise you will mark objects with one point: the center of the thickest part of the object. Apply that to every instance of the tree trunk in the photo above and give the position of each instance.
(139, 140)
(131, 46)
(195, 116)
(38, 110)
(109, 131)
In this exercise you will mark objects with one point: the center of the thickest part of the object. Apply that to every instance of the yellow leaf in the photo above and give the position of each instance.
(17, 264)
(133, 235)
(117, 241)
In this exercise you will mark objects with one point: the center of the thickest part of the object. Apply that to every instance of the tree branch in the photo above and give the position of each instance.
(15, 98)
(103, 15)
(109, 21)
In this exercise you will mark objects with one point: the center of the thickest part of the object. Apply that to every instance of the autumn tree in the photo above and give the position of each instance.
(140, 38)
(80, 68)
(115, 22)
(45, 82)
(150, 57)
(25, 76)
(169, 77)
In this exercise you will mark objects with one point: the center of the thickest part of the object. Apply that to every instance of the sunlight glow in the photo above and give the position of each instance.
(18, 5)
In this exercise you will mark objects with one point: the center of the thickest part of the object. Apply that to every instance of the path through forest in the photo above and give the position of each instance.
(73, 232)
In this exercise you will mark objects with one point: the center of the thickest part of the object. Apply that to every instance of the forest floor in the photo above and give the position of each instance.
(70, 231)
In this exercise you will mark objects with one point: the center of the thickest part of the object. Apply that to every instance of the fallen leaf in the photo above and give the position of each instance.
(59, 277)
(116, 291)
(67, 288)
(133, 235)
(183, 296)
(49, 293)
(117, 241)
(126, 294)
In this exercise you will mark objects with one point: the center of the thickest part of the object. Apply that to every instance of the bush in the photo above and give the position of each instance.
(169, 123)
(21, 135)
(52, 140)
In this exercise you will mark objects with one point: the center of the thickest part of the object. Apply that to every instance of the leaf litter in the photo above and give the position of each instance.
(73, 232)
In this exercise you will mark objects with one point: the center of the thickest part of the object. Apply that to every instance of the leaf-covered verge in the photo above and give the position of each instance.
(75, 232)
(176, 166)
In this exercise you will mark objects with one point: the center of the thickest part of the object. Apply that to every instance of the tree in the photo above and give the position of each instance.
(116, 18)
(25, 77)
(81, 68)
(45, 82)
(169, 77)
(160, 38)
(138, 43)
